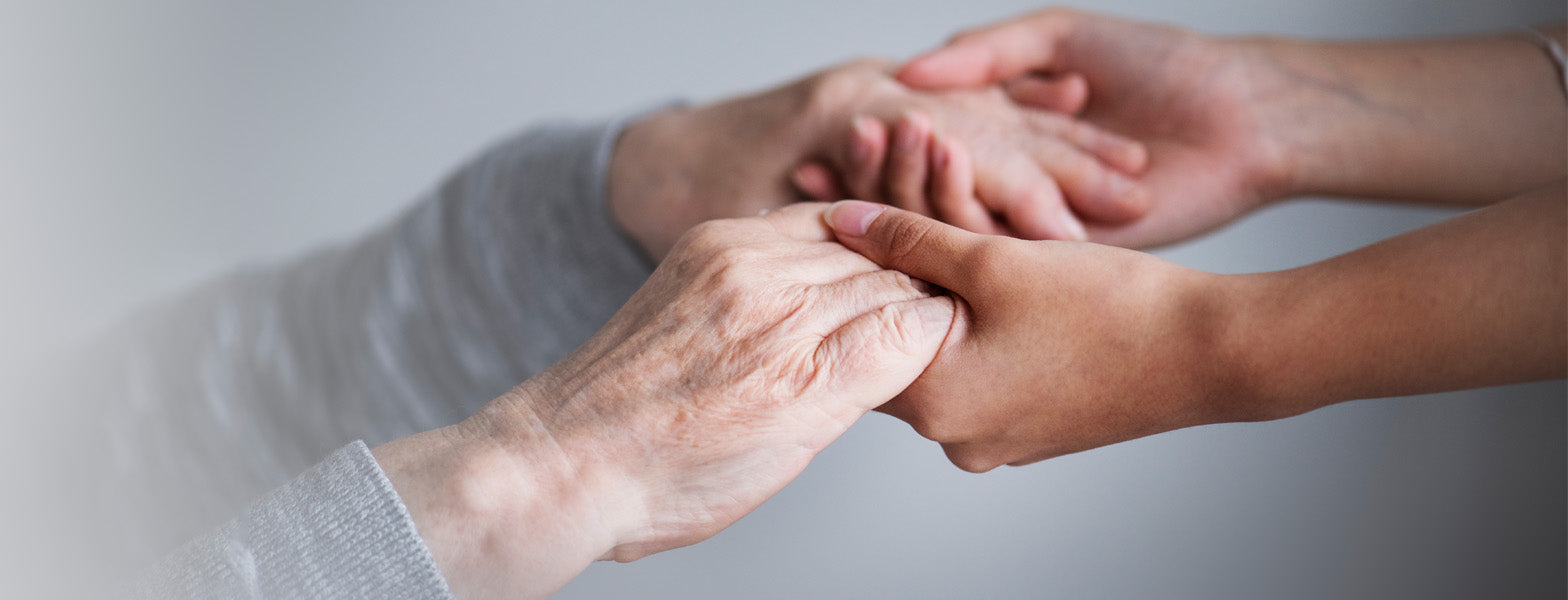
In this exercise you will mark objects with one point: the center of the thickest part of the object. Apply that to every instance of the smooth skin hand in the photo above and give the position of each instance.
(1060, 347)
(752, 347)
(738, 157)
(1231, 124)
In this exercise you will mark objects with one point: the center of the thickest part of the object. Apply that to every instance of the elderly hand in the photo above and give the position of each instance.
(738, 157)
(752, 347)
(1059, 346)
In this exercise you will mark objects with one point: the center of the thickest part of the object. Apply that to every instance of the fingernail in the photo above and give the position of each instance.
(853, 217)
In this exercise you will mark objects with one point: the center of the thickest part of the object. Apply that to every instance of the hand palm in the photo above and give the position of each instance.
(1191, 108)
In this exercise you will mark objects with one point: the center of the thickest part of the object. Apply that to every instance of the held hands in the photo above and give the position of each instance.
(677, 168)
(977, 159)
(752, 347)
(1058, 347)
(1198, 105)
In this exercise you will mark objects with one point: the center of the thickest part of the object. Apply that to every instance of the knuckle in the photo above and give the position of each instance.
(732, 266)
(830, 90)
(1079, 132)
(706, 238)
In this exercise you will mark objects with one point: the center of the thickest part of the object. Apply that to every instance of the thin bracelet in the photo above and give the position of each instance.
(1555, 51)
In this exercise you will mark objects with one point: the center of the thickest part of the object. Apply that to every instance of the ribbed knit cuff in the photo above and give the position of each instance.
(337, 531)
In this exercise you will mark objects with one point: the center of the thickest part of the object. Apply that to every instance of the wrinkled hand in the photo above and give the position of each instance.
(1195, 102)
(1059, 346)
(735, 158)
(752, 347)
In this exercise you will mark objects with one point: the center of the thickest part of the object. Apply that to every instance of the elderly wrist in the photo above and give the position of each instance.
(575, 468)
(503, 509)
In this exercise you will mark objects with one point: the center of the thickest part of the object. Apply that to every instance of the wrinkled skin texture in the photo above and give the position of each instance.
(756, 344)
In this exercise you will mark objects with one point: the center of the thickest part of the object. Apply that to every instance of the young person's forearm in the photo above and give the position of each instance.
(1467, 120)
(1474, 301)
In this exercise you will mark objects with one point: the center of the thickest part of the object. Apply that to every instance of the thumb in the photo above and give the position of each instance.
(877, 355)
(993, 54)
(897, 239)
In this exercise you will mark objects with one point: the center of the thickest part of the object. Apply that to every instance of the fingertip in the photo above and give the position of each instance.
(1122, 153)
(815, 180)
(1052, 222)
(1073, 228)
(1108, 196)
(1066, 94)
(1075, 93)
(852, 218)
(1126, 155)
(1032, 203)
(1136, 158)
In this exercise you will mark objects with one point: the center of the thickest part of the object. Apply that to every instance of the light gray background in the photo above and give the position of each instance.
(145, 145)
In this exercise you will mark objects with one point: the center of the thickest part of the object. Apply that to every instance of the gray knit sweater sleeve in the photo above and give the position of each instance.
(195, 407)
(337, 531)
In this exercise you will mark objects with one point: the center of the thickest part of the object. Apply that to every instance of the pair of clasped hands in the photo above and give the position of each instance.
(759, 340)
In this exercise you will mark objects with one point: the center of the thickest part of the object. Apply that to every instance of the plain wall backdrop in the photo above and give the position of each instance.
(147, 145)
